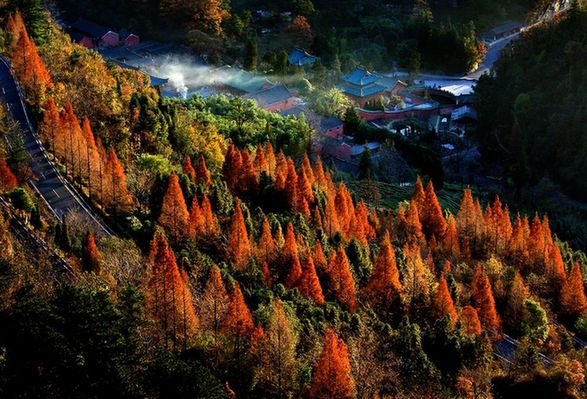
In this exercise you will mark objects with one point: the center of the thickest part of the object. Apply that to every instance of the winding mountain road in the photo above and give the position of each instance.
(59, 196)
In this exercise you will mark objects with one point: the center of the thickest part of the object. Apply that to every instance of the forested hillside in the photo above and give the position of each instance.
(241, 267)
(376, 34)
(533, 112)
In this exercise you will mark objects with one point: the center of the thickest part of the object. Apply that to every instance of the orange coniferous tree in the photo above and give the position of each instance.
(174, 216)
(238, 323)
(271, 161)
(169, 300)
(319, 258)
(14, 25)
(231, 168)
(442, 302)
(289, 250)
(305, 187)
(260, 162)
(555, 267)
(309, 284)
(210, 222)
(470, 321)
(203, 174)
(65, 138)
(266, 249)
(196, 218)
(78, 150)
(450, 242)
(50, 125)
(280, 171)
(91, 157)
(307, 168)
(468, 219)
(417, 277)
(383, 285)
(319, 175)
(332, 377)
(413, 225)
(498, 227)
(432, 219)
(518, 245)
(419, 196)
(188, 168)
(277, 368)
(344, 209)
(213, 305)
(294, 273)
(91, 257)
(292, 194)
(340, 278)
(117, 195)
(7, 179)
(572, 296)
(247, 180)
(29, 66)
(361, 228)
(537, 245)
(238, 319)
(517, 296)
(239, 247)
(330, 219)
(484, 301)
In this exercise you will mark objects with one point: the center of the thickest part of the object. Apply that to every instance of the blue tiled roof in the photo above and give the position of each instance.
(364, 91)
(301, 58)
(155, 81)
(360, 77)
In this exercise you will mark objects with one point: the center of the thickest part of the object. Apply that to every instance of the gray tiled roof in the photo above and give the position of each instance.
(242, 80)
(329, 123)
(90, 29)
(270, 96)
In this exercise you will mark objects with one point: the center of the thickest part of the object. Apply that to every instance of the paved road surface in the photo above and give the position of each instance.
(58, 194)
(493, 50)
(27, 237)
(492, 55)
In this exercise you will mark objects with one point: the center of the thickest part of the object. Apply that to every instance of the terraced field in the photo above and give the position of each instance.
(391, 194)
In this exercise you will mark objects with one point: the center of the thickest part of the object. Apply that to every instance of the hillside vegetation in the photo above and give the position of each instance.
(240, 267)
(532, 115)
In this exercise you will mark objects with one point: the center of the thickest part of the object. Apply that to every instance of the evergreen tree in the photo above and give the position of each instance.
(251, 54)
(277, 368)
(365, 164)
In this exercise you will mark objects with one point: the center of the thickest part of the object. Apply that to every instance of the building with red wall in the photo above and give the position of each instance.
(132, 40)
(86, 32)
